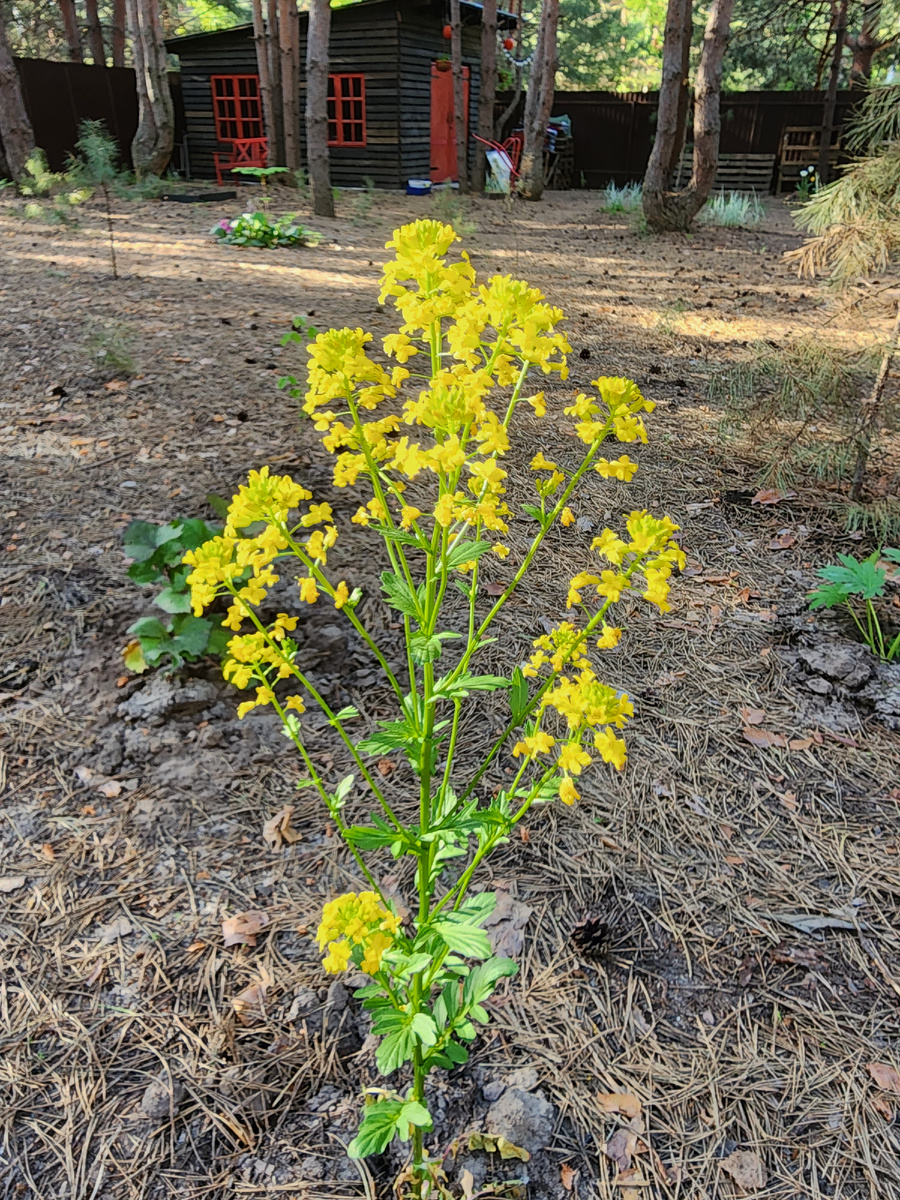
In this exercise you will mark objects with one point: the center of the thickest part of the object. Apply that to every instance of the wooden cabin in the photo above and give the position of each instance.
(390, 92)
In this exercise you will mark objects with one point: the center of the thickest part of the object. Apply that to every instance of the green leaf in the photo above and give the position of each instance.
(482, 980)
(424, 1028)
(218, 641)
(218, 504)
(139, 540)
(534, 511)
(146, 572)
(342, 791)
(377, 1130)
(399, 595)
(167, 533)
(476, 909)
(518, 696)
(466, 552)
(148, 627)
(393, 734)
(412, 1113)
(463, 939)
(865, 579)
(891, 555)
(460, 688)
(396, 1049)
(171, 600)
(426, 649)
(191, 634)
(456, 1053)
(346, 714)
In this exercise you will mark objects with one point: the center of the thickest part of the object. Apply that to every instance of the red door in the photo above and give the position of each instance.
(443, 127)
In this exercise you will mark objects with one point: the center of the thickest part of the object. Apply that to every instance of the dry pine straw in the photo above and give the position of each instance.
(734, 1028)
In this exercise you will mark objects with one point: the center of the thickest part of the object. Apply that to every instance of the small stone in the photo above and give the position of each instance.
(818, 685)
(338, 997)
(329, 639)
(162, 697)
(162, 1096)
(525, 1078)
(523, 1118)
(494, 1090)
(211, 736)
(304, 1000)
(841, 663)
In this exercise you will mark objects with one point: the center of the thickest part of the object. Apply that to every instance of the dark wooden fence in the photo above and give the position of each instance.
(60, 95)
(613, 131)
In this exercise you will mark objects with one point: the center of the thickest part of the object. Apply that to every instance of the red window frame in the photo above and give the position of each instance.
(237, 107)
(346, 110)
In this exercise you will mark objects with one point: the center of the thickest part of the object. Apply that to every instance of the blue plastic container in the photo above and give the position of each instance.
(418, 187)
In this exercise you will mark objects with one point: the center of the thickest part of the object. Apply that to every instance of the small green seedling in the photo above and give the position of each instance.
(157, 551)
(857, 580)
(301, 331)
(263, 174)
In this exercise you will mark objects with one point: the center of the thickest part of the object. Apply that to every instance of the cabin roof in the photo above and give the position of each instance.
(470, 8)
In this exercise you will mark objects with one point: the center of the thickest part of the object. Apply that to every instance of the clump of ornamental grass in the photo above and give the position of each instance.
(427, 442)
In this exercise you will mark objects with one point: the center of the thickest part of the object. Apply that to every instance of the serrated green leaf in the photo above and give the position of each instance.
(378, 1127)
(346, 714)
(149, 627)
(399, 595)
(396, 1049)
(465, 552)
(412, 1113)
(139, 540)
(463, 939)
(167, 533)
(424, 1028)
(456, 1053)
(426, 649)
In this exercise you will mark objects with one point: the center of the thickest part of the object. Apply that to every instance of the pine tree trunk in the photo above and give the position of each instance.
(154, 140)
(823, 167)
(260, 39)
(118, 33)
(276, 134)
(317, 62)
(684, 98)
(488, 90)
(663, 156)
(95, 33)
(460, 115)
(667, 211)
(517, 90)
(16, 133)
(538, 103)
(288, 44)
(866, 43)
(71, 30)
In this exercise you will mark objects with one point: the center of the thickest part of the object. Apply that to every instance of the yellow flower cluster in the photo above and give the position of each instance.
(355, 919)
(650, 548)
(619, 408)
(492, 333)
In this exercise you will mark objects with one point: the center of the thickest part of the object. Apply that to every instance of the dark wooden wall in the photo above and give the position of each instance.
(229, 53)
(614, 131)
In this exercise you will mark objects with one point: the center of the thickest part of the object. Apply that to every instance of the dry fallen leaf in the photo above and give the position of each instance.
(386, 766)
(250, 1004)
(48, 852)
(506, 924)
(241, 930)
(278, 831)
(11, 883)
(746, 1169)
(772, 496)
(885, 1076)
(496, 589)
(119, 928)
(110, 789)
(620, 1148)
(195, 946)
(753, 716)
(800, 743)
(117, 385)
(883, 1106)
(619, 1102)
(799, 956)
(85, 774)
(735, 860)
(763, 737)
(783, 541)
(567, 1176)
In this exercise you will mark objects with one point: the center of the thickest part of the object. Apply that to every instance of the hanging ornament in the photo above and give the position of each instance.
(518, 63)
(509, 44)
(448, 32)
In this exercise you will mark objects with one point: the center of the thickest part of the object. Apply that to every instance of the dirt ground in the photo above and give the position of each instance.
(741, 874)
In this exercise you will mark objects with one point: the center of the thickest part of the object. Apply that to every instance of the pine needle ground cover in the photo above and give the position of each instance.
(167, 1027)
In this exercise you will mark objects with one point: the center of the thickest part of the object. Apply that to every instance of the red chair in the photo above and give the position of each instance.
(245, 152)
(513, 147)
(509, 152)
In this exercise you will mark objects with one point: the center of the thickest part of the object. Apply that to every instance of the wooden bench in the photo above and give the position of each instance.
(735, 172)
(245, 152)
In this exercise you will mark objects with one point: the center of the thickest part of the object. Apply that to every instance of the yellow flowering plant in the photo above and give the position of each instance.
(427, 449)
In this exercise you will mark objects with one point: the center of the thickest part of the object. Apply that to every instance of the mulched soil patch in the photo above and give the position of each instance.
(738, 880)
